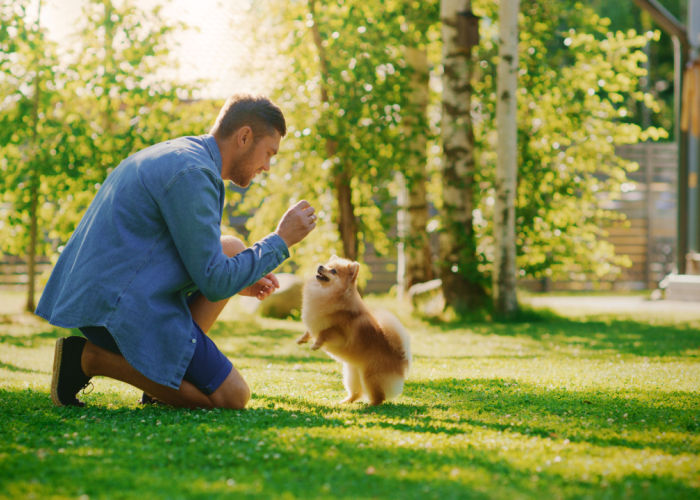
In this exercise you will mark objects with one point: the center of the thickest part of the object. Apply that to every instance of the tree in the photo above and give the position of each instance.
(344, 91)
(119, 100)
(67, 123)
(578, 83)
(30, 132)
(504, 267)
(342, 171)
(415, 260)
(462, 282)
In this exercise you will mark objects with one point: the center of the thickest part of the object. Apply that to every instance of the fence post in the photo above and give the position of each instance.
(649, 179)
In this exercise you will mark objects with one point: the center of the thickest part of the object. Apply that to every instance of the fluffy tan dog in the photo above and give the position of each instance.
(373, 348)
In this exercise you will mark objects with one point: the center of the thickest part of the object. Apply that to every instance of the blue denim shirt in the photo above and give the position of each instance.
(150, 236)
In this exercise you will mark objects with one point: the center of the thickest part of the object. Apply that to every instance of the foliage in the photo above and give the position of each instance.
(109, 97)
(605, 407)
(31, 131)
(576, 83)
(367, 101)
(579, 88)
(121, 99)
(628, 15)
(97, 103)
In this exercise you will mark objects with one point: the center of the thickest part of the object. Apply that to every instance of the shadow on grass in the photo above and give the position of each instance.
(660, 420)
(388, 408)
(623, 335)
(287, 358)
(14, 368)
(35, 339)
(262, 453)
(550, 330)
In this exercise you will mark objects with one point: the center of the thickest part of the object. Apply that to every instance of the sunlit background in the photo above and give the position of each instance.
(218, 45)
(364, 87)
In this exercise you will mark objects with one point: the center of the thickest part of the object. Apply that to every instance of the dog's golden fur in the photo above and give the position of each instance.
(373, 348)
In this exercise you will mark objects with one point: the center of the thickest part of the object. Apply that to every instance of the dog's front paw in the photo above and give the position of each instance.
(315, 346)
(304, 338)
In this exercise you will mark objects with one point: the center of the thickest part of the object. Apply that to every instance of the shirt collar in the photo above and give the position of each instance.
(213, 148)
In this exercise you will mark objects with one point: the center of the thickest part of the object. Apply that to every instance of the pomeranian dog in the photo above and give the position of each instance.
(373, 348)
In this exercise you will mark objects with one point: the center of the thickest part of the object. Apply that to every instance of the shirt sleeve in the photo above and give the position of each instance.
(190, 205)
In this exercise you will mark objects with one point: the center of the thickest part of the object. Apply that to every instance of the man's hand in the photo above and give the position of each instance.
(296, 223)
(263, 288)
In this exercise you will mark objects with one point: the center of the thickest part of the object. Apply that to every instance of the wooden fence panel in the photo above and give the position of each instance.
(647, 237)
(13, 271)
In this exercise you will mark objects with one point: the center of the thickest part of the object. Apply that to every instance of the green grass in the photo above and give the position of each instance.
(553, 407)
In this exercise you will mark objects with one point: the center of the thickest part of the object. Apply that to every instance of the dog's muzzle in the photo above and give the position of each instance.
(320, 276)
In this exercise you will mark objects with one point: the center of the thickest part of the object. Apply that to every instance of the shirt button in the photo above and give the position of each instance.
(194, 341)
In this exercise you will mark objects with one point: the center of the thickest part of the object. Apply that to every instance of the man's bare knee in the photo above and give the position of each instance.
(231, 245)
(234, 400)
(239, 400)
(233, 393)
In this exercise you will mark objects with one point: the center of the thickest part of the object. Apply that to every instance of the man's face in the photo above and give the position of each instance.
(255, 159)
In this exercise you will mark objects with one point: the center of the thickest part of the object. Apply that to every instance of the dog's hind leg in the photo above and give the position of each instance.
(374, 388)
(393, 385)
(353, 384)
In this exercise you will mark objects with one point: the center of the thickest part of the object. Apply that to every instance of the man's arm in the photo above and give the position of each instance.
(190, 207)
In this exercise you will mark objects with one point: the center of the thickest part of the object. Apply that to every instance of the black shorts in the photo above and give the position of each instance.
(207, 369)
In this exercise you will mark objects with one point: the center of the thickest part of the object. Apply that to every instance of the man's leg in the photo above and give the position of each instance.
(97, 361)
(205, 312)
(232, 393)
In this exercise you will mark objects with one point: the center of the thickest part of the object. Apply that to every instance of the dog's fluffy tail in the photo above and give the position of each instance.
(389, 322)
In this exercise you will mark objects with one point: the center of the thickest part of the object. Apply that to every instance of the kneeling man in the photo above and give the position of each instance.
(146, 272)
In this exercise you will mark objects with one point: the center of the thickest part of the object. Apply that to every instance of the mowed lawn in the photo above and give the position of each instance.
(576, 406)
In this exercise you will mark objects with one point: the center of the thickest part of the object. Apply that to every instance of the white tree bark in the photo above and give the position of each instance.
(504, 272)
(414, 254)
(458, 259)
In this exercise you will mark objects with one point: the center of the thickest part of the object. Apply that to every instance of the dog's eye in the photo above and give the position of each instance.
(333, 271)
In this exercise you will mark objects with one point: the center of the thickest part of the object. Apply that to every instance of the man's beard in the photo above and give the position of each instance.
(239, 173)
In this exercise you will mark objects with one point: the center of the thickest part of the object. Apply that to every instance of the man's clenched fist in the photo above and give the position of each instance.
(296, 223)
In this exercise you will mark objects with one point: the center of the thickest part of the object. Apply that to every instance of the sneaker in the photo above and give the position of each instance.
(68, 377)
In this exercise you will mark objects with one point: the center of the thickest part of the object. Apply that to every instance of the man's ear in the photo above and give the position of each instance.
(354, 271)
(244, 136)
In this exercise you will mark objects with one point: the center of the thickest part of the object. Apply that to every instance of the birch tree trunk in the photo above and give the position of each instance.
(458, 258)
(504, 269)
(342, 173)
(415, 256)
(34, 182)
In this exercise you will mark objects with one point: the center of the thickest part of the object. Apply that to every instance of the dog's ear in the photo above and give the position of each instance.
(354, 271)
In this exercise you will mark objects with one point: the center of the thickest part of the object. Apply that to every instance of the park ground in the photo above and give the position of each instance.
(584, 397)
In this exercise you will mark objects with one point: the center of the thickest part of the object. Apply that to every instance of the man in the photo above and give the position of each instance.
(146, 272)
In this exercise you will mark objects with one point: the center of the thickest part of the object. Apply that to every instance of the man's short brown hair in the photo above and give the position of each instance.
(258, 112)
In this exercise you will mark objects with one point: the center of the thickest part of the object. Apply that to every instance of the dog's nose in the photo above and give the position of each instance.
(320, 269)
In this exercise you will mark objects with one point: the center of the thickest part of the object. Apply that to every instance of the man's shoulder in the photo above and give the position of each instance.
(165, 160)
(186, 147)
